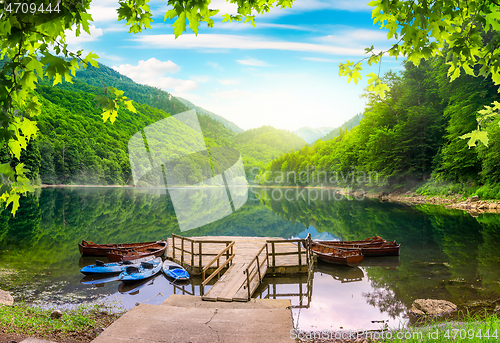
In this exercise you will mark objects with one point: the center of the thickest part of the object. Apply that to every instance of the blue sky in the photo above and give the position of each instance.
(282, 72)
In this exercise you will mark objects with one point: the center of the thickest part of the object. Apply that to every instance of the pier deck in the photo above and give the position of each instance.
(240, 263)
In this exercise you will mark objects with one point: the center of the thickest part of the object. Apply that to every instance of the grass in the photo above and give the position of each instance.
(484, 327)
(34, 321)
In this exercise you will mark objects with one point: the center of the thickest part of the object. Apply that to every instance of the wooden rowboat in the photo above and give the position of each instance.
(89, 248)
(157, 249)
(335, 255)
(369, 249)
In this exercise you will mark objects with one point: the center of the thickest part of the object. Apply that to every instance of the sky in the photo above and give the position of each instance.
(283, 72)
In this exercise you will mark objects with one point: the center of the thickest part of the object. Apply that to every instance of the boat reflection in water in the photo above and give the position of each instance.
(341, 273)
(133, 288)
(99, 280)
(386, 262)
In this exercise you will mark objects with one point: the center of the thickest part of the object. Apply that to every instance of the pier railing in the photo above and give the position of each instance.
(255, 269)
(190, 253)
(304, 247)
(228, 251)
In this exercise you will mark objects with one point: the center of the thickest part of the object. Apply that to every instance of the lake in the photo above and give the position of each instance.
(445, 254)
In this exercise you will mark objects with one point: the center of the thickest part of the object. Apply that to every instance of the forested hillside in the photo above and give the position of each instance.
(74, 146)
(200, 110)
(348, 125)
(407, 139)
(259, 146)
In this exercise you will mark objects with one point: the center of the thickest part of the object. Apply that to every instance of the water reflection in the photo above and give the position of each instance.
(445, 254)
(343, 274)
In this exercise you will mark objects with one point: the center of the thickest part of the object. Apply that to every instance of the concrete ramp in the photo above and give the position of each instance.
(184, 318)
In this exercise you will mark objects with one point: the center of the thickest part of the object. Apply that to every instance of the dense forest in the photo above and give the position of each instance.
(348, 125)
(74, 146)
(409, 139)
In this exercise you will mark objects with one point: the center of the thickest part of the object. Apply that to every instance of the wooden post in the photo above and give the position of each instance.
(274, 256)
(300, 255)
(248, 285)
(306, 245)
(267, 254)
(201, 259)
(173, 246)
(182, 249)
(300, 293)
(218, 274)
(192, 255)
(258, 269)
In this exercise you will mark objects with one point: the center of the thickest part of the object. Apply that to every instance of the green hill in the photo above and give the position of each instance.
(260, 146)
(348, 125)
(74, 146)
(200, 110)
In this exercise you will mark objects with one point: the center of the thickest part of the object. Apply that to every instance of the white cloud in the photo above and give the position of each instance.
(116, 28)
(345, 5)
(215, 65)
(232, 94)
(220, 41)
(228, 82)
(75, 43)
(200, 78)
(114, 58)
(318, 59)
(152, 71)
(350, 36)
(104, 13)
(253, 62)
(299, 6)
(235, 25)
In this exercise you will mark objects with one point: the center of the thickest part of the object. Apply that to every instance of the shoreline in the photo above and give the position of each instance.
(472, 205)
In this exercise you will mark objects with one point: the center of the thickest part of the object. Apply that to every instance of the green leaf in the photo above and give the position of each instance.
(91, 59)
(180, 25)
(475, 136)
(6, 170)
(14, 199)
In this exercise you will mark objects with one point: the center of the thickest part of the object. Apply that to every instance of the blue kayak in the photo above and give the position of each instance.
(114, 267)
(143, 271)
(175, 271)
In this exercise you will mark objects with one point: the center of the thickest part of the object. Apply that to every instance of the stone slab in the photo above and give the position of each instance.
(35, 340)
(189, 319)
(6, 298)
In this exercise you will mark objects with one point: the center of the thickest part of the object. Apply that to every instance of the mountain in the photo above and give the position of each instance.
(75, 146)
(143, 94)
(229, 124)
(260, 146)
(310, 135)
(348, 125)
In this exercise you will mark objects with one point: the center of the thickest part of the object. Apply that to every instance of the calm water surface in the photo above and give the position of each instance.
(445, 254)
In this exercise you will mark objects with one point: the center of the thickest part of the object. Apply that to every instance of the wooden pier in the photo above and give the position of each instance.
(239, 263)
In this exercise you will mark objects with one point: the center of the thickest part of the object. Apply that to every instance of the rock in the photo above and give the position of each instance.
(98, 330)
(478, 303)
(474, 198)
(6, 298)
(56, 314)
(497, 308)
(432, 307)
(493, 206)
